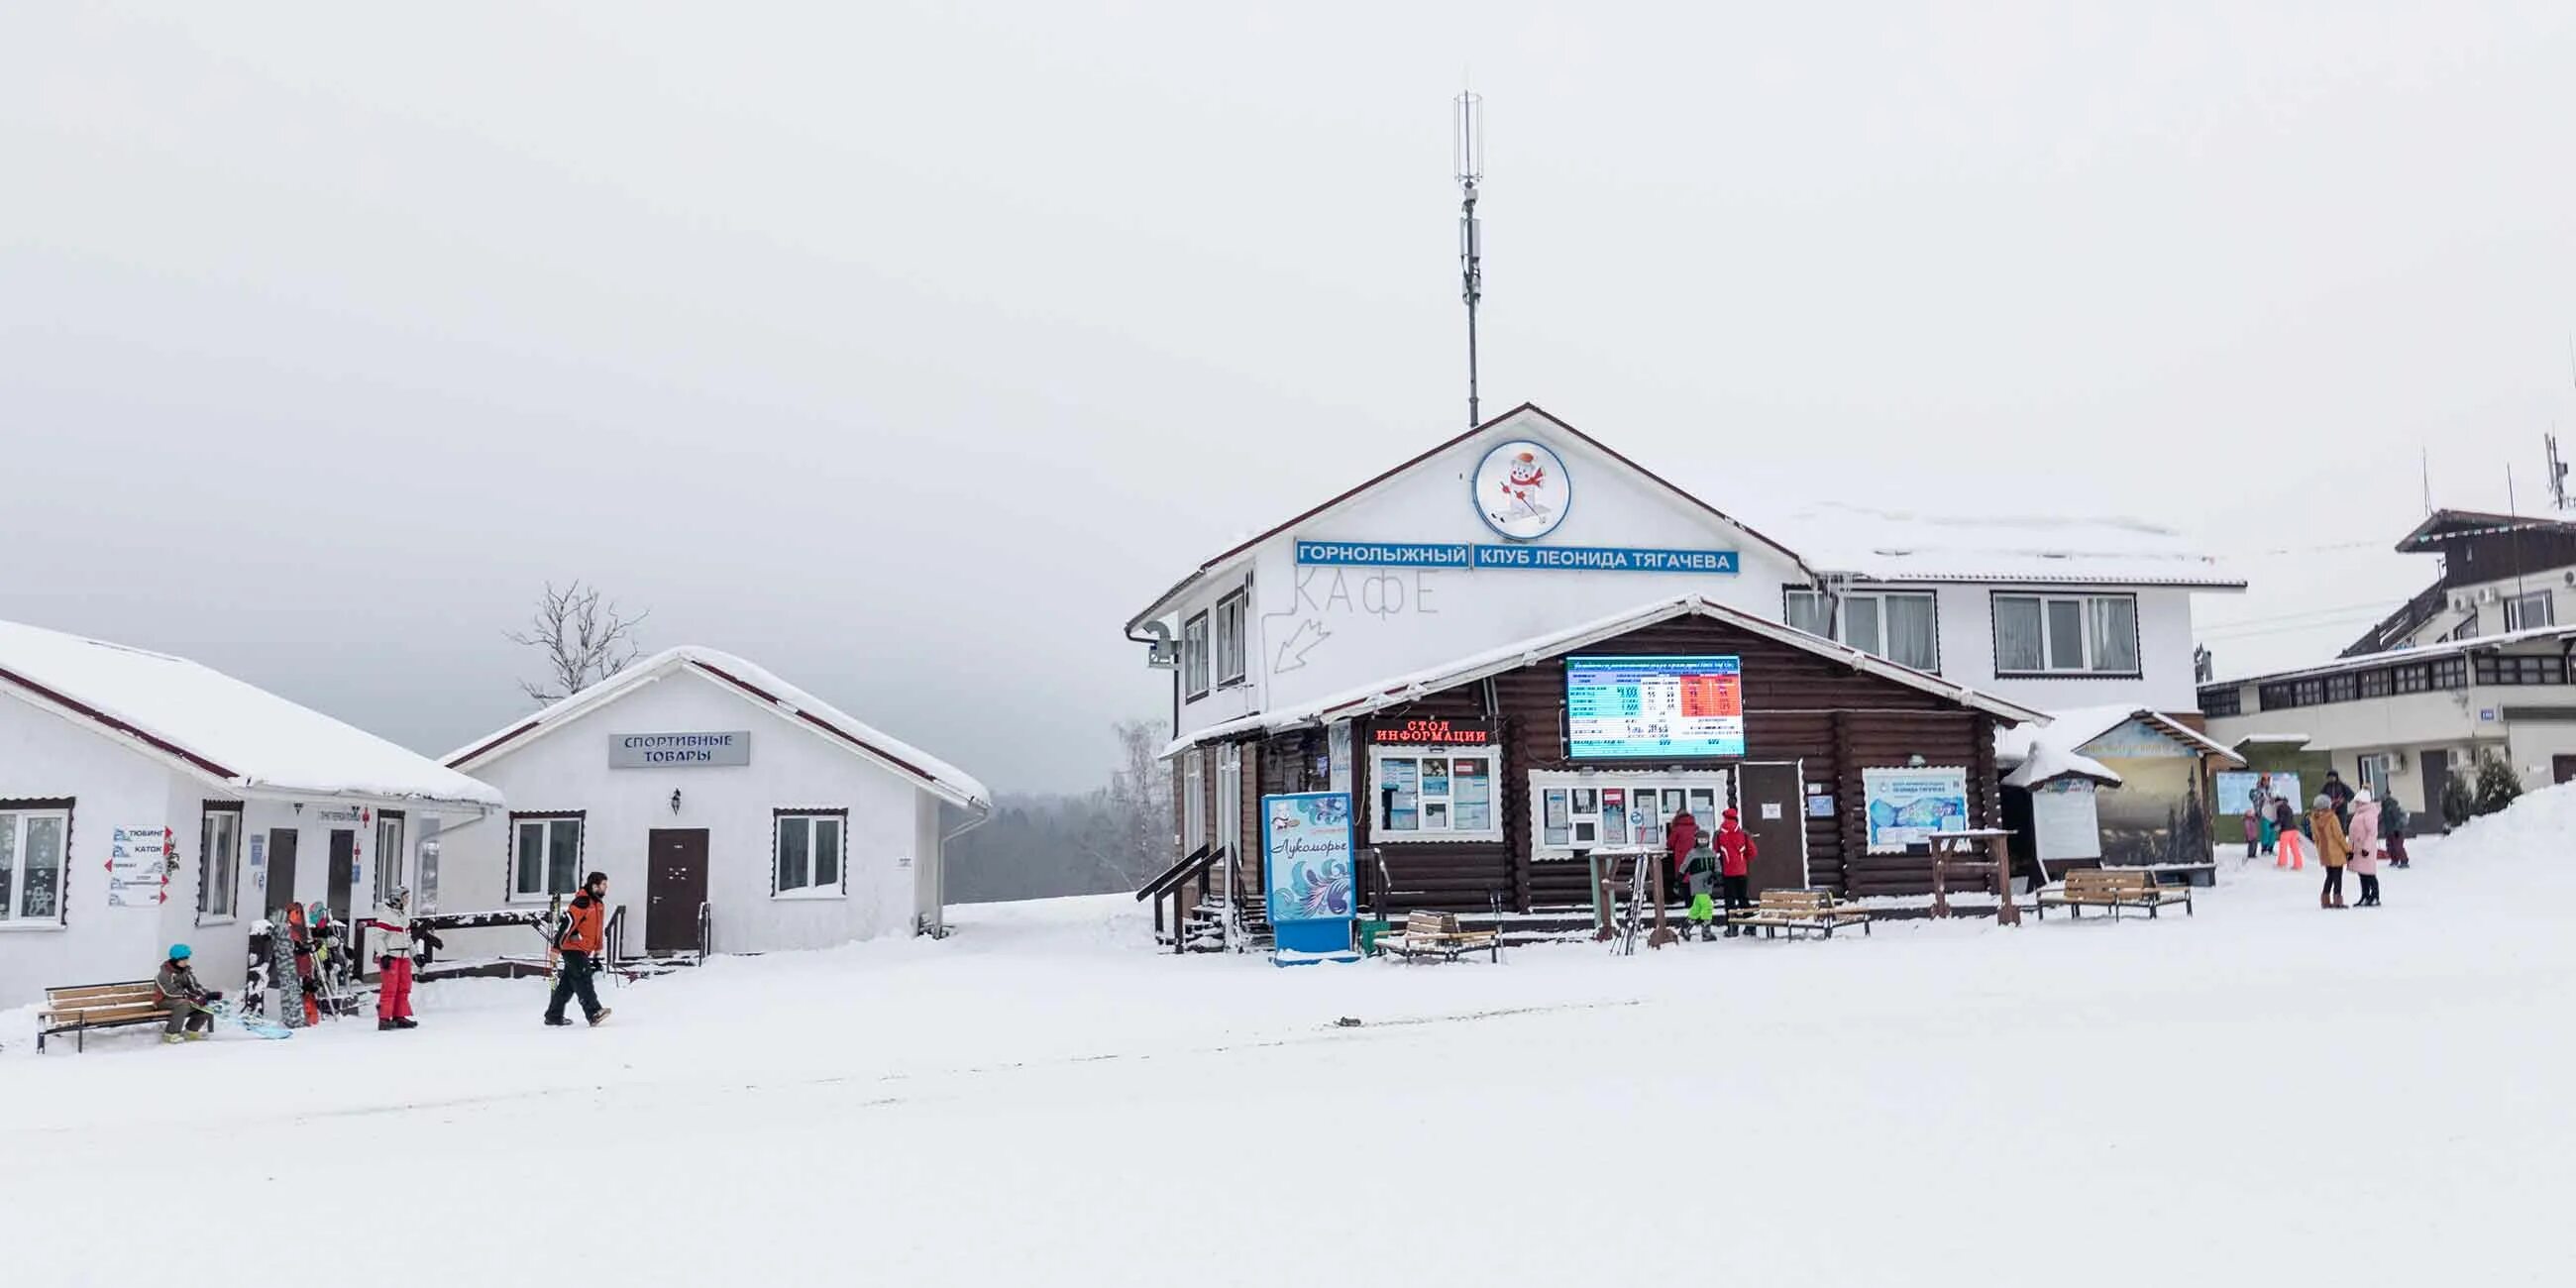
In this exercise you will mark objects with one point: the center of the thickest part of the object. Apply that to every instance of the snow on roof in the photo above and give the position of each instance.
(2071, 729)
(1891, 545)
(2047, 761)
(2294, 739)
(1405, 688)
(2364, 661)
(250, 740)
(763, 689)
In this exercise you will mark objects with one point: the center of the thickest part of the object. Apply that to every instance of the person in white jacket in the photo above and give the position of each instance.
(393, 959)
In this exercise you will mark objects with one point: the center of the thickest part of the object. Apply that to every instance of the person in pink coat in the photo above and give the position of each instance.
(2364, 834)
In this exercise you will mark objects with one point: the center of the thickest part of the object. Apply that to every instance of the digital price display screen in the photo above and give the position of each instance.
(1654, 708)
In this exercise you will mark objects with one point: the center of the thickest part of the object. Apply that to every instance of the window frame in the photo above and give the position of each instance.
(2230, 696)
(1719, 785)
(2375, 784)
(2088, 647)
(1838, 618)
(390, 857)
(19, 811)
(1382, 809)
(2515, 620)
(810, 818)
(1791, 595)
(212, 878)
(1232, 648)
(519, 819)
(1194, 657)
(1194, 819)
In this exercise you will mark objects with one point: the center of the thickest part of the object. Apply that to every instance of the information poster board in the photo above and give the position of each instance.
(1306, 848)
(2064, 820)
(2235, 786)
(138, 867)
(1654, 707)
(1907, 806)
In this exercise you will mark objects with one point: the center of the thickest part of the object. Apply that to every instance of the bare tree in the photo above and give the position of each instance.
(585, 640)
(1140, 802)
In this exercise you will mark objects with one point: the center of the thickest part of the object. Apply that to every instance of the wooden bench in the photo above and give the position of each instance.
(99, 1006)
(1437, 934)
(1791, 911)
(2112, 888)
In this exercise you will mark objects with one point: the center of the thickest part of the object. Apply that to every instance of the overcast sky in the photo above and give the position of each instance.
(909, 348)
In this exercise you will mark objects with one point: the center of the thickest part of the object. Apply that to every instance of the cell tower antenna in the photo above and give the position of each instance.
(1469, 121)
(2557, 470)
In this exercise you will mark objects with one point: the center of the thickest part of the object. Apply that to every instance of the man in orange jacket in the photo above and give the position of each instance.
(583, 936)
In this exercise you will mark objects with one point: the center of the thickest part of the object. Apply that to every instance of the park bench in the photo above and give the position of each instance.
(1791, 911)
(99, 1006)
(1437, 934)
(2112, 888)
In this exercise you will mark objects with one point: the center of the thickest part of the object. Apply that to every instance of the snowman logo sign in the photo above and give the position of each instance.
(1522, 490)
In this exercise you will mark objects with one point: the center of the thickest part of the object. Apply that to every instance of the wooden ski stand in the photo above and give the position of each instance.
(1983, 853)
(1645, 880)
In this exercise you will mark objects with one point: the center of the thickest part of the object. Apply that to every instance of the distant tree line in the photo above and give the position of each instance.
(1039, 846)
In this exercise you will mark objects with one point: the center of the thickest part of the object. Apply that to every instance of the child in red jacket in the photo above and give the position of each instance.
(1735, 851)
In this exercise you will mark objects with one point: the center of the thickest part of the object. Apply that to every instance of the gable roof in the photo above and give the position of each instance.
(231, 733)
(758, 687)
(2450, 525)
(1525, 409)
(1402, 689)
(2069, 731)
(1897, 545)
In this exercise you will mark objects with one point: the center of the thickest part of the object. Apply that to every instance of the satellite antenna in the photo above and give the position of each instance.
(1470, 167)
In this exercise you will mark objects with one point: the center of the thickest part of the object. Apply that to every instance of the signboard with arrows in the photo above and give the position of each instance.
(139, 861)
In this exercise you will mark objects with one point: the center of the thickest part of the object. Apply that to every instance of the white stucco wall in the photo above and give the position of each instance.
(792, 766)
(2164, 681)
(2487, 601)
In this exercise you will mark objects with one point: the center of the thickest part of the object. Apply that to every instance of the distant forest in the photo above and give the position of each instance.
(1043, 847)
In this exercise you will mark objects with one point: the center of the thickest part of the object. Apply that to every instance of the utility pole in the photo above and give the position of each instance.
(1470, 167)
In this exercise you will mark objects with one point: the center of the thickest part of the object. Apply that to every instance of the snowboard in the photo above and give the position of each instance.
(230, 1016)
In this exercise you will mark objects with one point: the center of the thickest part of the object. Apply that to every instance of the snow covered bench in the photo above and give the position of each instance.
(1437, 934)
(1790, 911)
(2112, 888)
(79, 1009)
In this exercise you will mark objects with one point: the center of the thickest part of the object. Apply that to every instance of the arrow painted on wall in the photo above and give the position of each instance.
(1293, 650)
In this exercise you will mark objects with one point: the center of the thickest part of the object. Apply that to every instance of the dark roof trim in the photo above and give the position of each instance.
(477, 753)
(1595, 444)
(94, 714)
(2447, 525)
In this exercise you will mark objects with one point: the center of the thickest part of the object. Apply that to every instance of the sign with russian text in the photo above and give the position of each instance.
(678, 750)
(1418, 554)
(1314, 895)
(1432, 733)
(1654, 707)
(138, 867)
(2236, 790)
(1907, 806)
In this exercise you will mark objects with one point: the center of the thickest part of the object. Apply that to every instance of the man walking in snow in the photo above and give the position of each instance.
(393, 961)
(583, 936)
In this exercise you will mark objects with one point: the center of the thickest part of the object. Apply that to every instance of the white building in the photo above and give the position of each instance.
(146, 800)
(1411, 570)
(712, 793)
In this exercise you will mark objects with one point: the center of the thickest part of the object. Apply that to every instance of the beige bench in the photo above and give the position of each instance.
(1791, 911)
(1437, 934)
(99, 1006)
(2112, 888)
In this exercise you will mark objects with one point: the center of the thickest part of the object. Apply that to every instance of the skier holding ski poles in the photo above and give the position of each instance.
(393, 961)
(578, 943)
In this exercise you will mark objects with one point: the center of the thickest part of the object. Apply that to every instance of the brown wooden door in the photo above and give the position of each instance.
(1773, 807)
(281, 874)
(2435, 768)
(675, 884)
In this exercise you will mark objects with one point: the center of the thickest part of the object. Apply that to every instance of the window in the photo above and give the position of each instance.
(1436, 795)
(1229, 637)
(2466, 630)
(2343, 687)
(2229, 701)
(1229, 797)
(32, 836)
(2066, 635)
(546, 856)
(2375, 684)
(1805, 610)
(2451, 673)
(809, 858)
(2307, 693)
(2374, 775)
(1194, 658)
(389, 854)
(2526, 612)
(1621, 812)
(2521, 670)
(218, 861)
(1900, 626)
(2274, 697)
(2412, 679)
(1193, 802)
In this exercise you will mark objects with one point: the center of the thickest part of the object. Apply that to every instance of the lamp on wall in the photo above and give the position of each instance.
(675, 800)
(1914, 761)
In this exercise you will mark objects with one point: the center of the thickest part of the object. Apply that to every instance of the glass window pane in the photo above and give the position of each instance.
(532, 858)
(1399, 785)
(2066, 635)
(1807, 611)
(2115, 635)
(794, 835)
(8, 866)
(2017, 646)
(563, 856)
(827, 852)
(1860, 623)
(1910, 632)
(41, 888)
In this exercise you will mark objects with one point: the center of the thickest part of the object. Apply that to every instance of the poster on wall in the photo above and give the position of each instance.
(1654, 707)
(138, 867)
(2234, 786)
(1472, 794)
(2064, 821)
(1337, 757)
(1906, 806)
(1306, 849)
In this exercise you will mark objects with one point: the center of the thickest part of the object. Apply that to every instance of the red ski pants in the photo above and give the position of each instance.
(393, 991)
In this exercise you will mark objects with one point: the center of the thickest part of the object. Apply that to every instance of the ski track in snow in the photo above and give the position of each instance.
(2265, 1092)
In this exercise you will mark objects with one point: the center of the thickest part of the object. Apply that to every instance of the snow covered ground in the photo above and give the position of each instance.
(2263, 1093)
